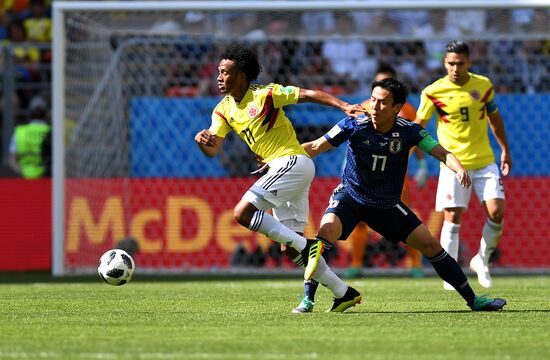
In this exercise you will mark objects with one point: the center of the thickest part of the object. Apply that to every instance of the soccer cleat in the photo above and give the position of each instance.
(312, 253)
(305, 306)
(351, 298)
(484, 303)
(447, 286)
(482, 270)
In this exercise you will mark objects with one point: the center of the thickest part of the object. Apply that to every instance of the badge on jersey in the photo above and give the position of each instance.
(395, 145)
(253, 111)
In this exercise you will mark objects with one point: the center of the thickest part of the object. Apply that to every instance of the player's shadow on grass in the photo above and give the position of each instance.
(381, 312)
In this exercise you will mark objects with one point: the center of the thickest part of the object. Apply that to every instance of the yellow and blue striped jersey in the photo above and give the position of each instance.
(259, 119)
(462, 117)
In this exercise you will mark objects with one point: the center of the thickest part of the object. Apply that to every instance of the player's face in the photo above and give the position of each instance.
(229, 77)
(457, 66)
(382, 109)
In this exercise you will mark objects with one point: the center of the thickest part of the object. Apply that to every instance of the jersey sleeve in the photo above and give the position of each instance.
(492, 106)
(220, 126)
(285, 95)
(426, 107)
(339, 132)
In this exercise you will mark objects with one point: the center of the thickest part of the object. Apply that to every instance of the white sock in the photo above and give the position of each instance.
(449, 238)
(326, 277)
(266, 224)
(490, 237)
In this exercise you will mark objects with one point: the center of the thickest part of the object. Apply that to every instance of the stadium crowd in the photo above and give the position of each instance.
(340, 51)
(329, 50)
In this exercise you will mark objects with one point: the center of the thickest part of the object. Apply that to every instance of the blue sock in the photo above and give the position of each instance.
(448, 269)
(310, 288)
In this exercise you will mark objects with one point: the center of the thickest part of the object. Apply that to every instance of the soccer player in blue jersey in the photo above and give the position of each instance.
(377, 156)
(255, 112)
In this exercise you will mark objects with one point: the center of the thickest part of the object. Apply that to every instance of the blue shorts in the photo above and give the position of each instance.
(394, 224)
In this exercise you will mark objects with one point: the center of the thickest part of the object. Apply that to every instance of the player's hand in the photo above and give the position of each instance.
(206, 138)
(354, 110)
(505, 163)
(421, 174)
(464, 179)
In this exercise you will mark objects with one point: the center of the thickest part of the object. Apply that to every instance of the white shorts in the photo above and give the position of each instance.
(285, 189)
(486, 182)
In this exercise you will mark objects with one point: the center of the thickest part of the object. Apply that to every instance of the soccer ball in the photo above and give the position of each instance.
(116, 267)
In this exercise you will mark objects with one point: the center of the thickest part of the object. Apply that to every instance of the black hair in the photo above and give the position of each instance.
(395, 87)
(458, 47)
(245, 59)
(386, 68)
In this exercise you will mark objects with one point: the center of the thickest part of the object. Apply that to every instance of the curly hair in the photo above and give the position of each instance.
(245, 59)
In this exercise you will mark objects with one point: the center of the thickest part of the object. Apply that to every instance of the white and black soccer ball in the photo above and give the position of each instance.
(116, 267)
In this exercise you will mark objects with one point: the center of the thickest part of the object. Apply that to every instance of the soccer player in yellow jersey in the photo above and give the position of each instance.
(255, 112)
(465, 108)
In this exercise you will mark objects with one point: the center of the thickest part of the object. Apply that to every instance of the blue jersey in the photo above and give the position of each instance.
(376, 164)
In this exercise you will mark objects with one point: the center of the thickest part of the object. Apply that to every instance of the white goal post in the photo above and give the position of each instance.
(98, 85)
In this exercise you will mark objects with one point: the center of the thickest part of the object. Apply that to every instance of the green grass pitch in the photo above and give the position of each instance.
(150, 318)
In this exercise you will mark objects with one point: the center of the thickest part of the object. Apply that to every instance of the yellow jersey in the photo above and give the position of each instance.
(462, 117)
(259, 119)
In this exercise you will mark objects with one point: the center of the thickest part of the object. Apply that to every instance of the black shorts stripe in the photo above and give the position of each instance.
(280, 173)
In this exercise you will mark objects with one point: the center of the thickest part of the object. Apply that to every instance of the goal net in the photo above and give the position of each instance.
(135, 81)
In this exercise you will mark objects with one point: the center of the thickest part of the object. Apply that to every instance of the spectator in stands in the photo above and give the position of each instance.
(27, 156)
(18, 8)
(25, 58)
(409, 20)
(466, 22)
(38, 25)
(318, 23)
(465, 108)
(347, 52)
(3, 25)
(435, 48)
(18, 35)
(541, 22)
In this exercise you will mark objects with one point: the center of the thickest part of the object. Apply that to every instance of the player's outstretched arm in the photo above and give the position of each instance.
(497, 126)
(209, 143)
(451, 161)
(316, 147)
(324, 98)
(420, 121)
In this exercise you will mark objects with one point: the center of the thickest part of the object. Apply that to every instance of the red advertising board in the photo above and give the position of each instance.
(188, 223)
(26, 230)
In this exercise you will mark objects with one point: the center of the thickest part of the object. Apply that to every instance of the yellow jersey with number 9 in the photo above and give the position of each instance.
(259, 119)
(462, 118)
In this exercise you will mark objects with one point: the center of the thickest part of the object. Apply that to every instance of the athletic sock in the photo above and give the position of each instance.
(266, 224)
(490, 237)
(448, 269)
(325, 276)
(450, 238)
(310, 288)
